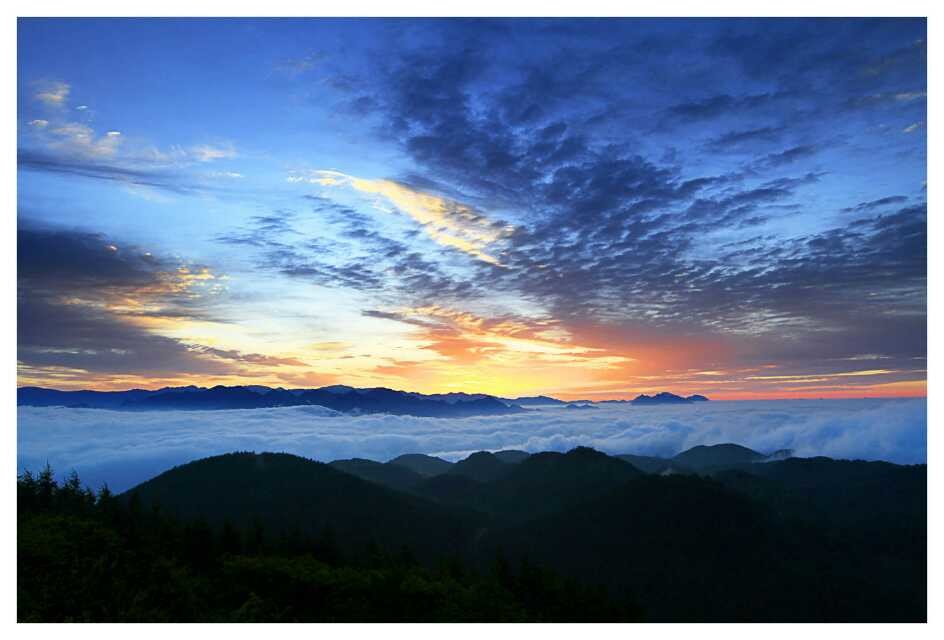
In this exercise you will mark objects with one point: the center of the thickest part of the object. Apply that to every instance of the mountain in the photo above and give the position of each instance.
(382, 400)
(424, 465)
(451, 490)
(580, 406)
(41, 397)
(481, 466)
(548, 481)
(748, 548)
(704, 458)
(534, 401)
(799, 539)
(685, 547)
(647, 464)
(285, 493)
(456, 396)
(542, 483)
(697, 398)
(336, 397)
(661, 398)
(850, 492)
(512, 456)
(215, 398)
(388, 475)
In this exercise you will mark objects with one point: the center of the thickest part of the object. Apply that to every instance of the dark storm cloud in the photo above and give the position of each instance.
(70, 286)
(50, 258)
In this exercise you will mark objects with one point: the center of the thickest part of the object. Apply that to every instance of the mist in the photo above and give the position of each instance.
(125, 448)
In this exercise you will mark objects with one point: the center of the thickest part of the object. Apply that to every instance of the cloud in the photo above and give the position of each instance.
(606, 227)
(294, 67)
(743, 138)
(449, 223)
(608, 232)
(58, 143)
(124, 448)
(715, 106)
(232, 175)
(52, 161)
(876, 204)
(788, 156)
(208, 153)
(90, 307)
(52, 93)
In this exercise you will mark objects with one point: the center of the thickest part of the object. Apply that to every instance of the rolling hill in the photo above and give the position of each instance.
(286, 492)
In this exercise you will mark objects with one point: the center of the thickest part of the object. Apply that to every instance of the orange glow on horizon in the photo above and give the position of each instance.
(437, 349)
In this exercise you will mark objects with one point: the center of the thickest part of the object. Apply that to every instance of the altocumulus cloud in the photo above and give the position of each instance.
(123, 448)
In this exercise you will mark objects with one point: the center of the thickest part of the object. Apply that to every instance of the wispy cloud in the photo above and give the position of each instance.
(208, 153)
(52, 93)
(66, 142)
(449, 223)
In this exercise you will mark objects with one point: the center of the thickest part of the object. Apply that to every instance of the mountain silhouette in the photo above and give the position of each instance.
(648, 464)
(703, 458)
(535, 401)
(481, 466)
(512, 456)
(743, 538)
(422, 464)
(540, 484)
(286, 492)
(389, 475)
(665, 398)
(336, 397)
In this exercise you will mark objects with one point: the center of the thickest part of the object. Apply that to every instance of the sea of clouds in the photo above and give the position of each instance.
(124, 448)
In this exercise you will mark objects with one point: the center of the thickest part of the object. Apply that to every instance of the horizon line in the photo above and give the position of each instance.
(550, 395)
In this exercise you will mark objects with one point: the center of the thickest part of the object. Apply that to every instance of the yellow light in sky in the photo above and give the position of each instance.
(449, 223)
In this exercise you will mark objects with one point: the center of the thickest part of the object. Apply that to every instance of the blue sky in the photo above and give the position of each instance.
(583, 207)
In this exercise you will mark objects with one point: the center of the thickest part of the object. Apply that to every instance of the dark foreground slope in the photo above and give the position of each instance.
(572, 536)
(283, 493)
(690, 549)
(94, 558)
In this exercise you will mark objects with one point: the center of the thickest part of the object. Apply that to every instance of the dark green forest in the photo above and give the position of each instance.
(580, 536)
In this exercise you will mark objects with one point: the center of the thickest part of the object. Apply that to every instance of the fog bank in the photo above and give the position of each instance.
(124, 448)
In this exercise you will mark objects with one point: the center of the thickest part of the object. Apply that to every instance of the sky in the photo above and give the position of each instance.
(582, 208)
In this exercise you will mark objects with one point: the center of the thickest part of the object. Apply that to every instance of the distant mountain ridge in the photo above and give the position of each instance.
(665, 397)
(340, 398)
